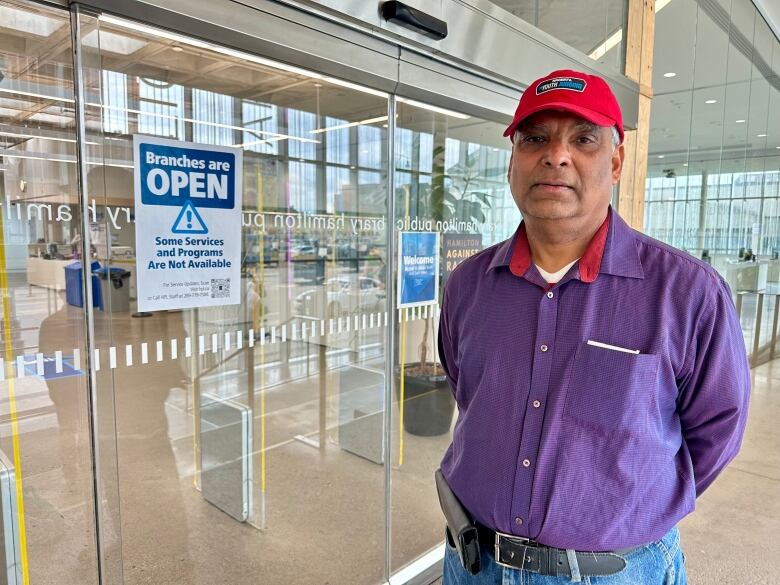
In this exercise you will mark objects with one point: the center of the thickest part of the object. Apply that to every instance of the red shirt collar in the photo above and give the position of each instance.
(589, 264)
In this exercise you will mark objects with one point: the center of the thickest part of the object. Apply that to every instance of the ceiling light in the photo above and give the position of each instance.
(260, 61)
(660, 156)
(685, 164)
(349, 125)
(611, 42)
(350, 85)
(760, 135)
(711, 102)
(740, 121)
(436, 109)
(52, 118)
(8, 154)
(670, 74)
(18, 135)
(39, 137)
(617, 36)
(116, 165)
(777, 146)
(73, 161)
(614, 39)
(53, 98)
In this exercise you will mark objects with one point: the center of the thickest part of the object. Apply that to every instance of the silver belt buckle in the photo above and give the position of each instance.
(512, 537)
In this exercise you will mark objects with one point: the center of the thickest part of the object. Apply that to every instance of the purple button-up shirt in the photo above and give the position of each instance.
(577, 445)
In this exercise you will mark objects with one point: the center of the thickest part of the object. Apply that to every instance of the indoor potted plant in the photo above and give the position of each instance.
(428, 401)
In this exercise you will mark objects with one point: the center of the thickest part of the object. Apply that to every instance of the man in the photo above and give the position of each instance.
(601, 376)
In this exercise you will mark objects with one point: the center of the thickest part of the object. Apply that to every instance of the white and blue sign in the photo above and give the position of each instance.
(568, 83)
(418, 268)
(187, 223)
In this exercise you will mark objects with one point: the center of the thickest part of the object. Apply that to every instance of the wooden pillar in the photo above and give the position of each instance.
(639, 67)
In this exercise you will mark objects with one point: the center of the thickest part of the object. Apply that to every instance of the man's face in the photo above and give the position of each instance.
(563, 167)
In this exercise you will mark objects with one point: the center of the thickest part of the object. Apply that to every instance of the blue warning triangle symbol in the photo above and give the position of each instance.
(189, 221)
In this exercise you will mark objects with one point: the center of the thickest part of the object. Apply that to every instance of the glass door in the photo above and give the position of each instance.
(242, 443)
(450, 186)
(47, 520)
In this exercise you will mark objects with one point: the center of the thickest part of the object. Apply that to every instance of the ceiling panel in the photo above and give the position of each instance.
(709, 67)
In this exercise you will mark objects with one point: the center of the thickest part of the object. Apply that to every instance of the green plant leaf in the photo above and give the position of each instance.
(475, 211)
(484, 197)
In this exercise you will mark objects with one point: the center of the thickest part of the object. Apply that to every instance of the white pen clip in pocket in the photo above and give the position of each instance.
(612, 347)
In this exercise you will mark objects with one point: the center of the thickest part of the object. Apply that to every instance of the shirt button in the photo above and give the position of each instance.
(526, 463)
(543, 348)
(550, 295)
(518, 521)
(537, 404)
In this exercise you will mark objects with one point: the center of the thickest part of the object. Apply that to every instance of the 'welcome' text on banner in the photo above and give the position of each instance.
(418, 268)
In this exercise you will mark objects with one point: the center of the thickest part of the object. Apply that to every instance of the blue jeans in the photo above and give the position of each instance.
(658, 563)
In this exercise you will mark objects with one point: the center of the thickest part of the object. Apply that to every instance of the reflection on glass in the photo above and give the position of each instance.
(727, 169)
(714, 169)
(449, 179)
(48, 532)
(244, 430)
(596, 29)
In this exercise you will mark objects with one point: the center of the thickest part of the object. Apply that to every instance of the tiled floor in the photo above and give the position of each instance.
(732, 536)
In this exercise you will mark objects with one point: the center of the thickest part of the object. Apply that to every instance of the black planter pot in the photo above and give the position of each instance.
(428, 403)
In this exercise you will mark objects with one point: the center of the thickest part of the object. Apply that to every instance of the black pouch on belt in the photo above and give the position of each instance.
(461, 526)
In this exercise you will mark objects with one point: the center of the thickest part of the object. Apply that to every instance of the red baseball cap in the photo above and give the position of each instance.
(587, 96)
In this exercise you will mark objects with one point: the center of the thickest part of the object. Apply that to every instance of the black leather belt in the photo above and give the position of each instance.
(522, 553)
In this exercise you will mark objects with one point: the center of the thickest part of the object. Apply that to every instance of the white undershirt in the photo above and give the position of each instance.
(554, 277)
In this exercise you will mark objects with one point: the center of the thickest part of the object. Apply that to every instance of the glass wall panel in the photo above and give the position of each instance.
(249, 437)
(727, 152)
(450, 180)
(48, 528)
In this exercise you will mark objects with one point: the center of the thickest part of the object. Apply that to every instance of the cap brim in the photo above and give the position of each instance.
(586, 113)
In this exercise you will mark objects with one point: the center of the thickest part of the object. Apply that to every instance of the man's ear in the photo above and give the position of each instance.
(617, 163)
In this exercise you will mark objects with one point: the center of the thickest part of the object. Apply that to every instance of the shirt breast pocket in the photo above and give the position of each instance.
(611, 390)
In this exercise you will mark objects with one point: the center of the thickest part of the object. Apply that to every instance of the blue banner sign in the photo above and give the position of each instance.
(418, 268)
